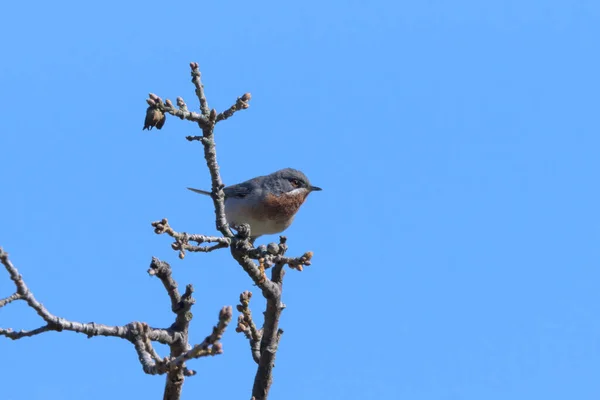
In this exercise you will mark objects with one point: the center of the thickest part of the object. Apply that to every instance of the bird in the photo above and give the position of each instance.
(267, 203)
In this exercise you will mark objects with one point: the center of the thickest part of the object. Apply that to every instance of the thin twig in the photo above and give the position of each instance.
(211, 345)
(151, 362)
(182, 240)
(247, 326)
(154, 365)
(199, 88)
(156, 103)
(9, 299)
(240, 104)
(273, 253)
(162, 271)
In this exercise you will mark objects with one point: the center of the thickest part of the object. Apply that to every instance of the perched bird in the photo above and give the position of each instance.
(267, 203)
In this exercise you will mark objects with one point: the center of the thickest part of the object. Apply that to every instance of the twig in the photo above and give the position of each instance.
(182, 240)
(247, 326)
(270, 335)
(9, 299)
(240, 104)
(211, 345)
(218, 195)
(157, 108)
(54, 323)
(154, 365)
(199, 88)
(180, 305)
(273, 253)
(162, 271)
(151, 362)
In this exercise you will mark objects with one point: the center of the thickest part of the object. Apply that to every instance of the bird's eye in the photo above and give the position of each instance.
(295, 183)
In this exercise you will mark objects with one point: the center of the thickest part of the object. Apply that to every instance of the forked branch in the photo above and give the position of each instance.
(264, 341)
(140, 334)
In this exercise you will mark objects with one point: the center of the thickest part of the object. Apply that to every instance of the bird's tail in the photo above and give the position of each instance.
(200, 191)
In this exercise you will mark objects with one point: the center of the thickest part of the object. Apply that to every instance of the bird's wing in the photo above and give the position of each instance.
(238, 191)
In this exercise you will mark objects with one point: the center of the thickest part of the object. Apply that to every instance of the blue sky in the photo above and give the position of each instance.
(455, 240)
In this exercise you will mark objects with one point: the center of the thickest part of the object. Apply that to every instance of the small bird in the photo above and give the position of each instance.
(267, 203)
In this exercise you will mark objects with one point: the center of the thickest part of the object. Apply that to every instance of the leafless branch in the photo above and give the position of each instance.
(162, 271)
(240, 104)
(211, 345)
(182, 240)
(155, 113)
(254, 261)
(271, 334)
(199, 89)
(263, 342)
(153, 364)
(54, 323)
(273, 253)
(9, 299)
(247, 326)
(138, 333)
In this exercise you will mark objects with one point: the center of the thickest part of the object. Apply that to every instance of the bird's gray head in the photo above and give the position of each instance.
(287, 180)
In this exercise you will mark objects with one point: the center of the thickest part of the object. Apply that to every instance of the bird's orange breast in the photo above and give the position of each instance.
(280, 207)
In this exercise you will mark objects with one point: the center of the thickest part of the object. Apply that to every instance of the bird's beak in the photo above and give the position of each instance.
(315, 189)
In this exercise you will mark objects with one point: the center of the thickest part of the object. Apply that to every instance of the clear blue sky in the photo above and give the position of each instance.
(456, 239)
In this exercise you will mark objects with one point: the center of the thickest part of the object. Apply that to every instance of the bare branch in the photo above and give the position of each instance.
(154, 365)
(179, 355)
(9, 333)
(263, 342)
(247, 326)
(264, 347)
(211, 345)
(273, 253)
(240, 104)
(270, 336)
(175, 376)
(162, 271)
(9, 299)
(199, 88)
(54, 323)
(218, 195)
(138, 333)
(241, 246)
(210, 155)
(182, 240)
(151, 362)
